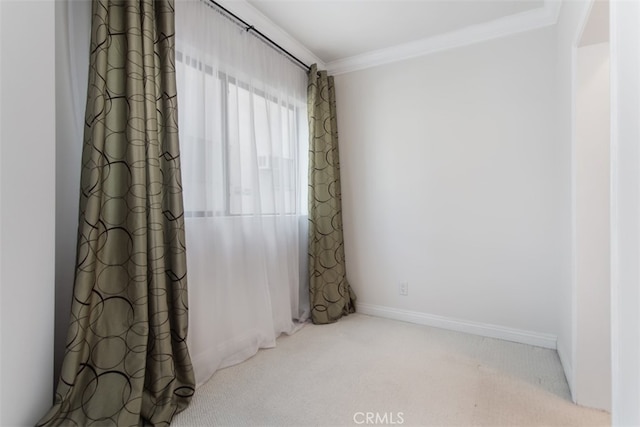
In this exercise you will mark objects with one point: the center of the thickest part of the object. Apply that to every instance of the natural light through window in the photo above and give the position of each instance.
(246, 145)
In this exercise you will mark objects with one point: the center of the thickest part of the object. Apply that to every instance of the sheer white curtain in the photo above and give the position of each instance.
(244, 147)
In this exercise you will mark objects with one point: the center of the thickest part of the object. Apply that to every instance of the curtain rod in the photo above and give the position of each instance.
(249, 27)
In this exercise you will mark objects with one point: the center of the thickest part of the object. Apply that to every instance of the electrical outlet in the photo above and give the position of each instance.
(403, 288)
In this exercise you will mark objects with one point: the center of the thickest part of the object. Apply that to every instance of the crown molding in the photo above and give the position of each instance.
(253, 16)
(508, 25)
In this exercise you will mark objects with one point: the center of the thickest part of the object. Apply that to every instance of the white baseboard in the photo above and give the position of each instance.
(475, 328)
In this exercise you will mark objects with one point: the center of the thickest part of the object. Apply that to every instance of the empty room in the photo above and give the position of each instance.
(320, 212)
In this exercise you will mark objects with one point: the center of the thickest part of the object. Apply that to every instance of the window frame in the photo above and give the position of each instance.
(225, 80)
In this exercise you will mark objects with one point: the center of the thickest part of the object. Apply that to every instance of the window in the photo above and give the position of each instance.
(248, 146)
(261, 152)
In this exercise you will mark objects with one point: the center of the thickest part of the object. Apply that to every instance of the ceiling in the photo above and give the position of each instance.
(335, 30)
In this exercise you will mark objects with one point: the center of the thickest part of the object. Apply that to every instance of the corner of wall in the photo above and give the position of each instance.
(567, 366)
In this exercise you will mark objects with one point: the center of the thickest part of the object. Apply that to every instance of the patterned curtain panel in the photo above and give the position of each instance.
(126, 358)
(331, 297)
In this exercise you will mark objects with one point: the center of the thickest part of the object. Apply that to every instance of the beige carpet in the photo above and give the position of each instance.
(365, 370)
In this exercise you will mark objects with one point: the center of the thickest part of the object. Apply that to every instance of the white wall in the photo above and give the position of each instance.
(592, 385)
(625, 213)
(73, 34)
(568, 30)
(27, 218)
(454, 181)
